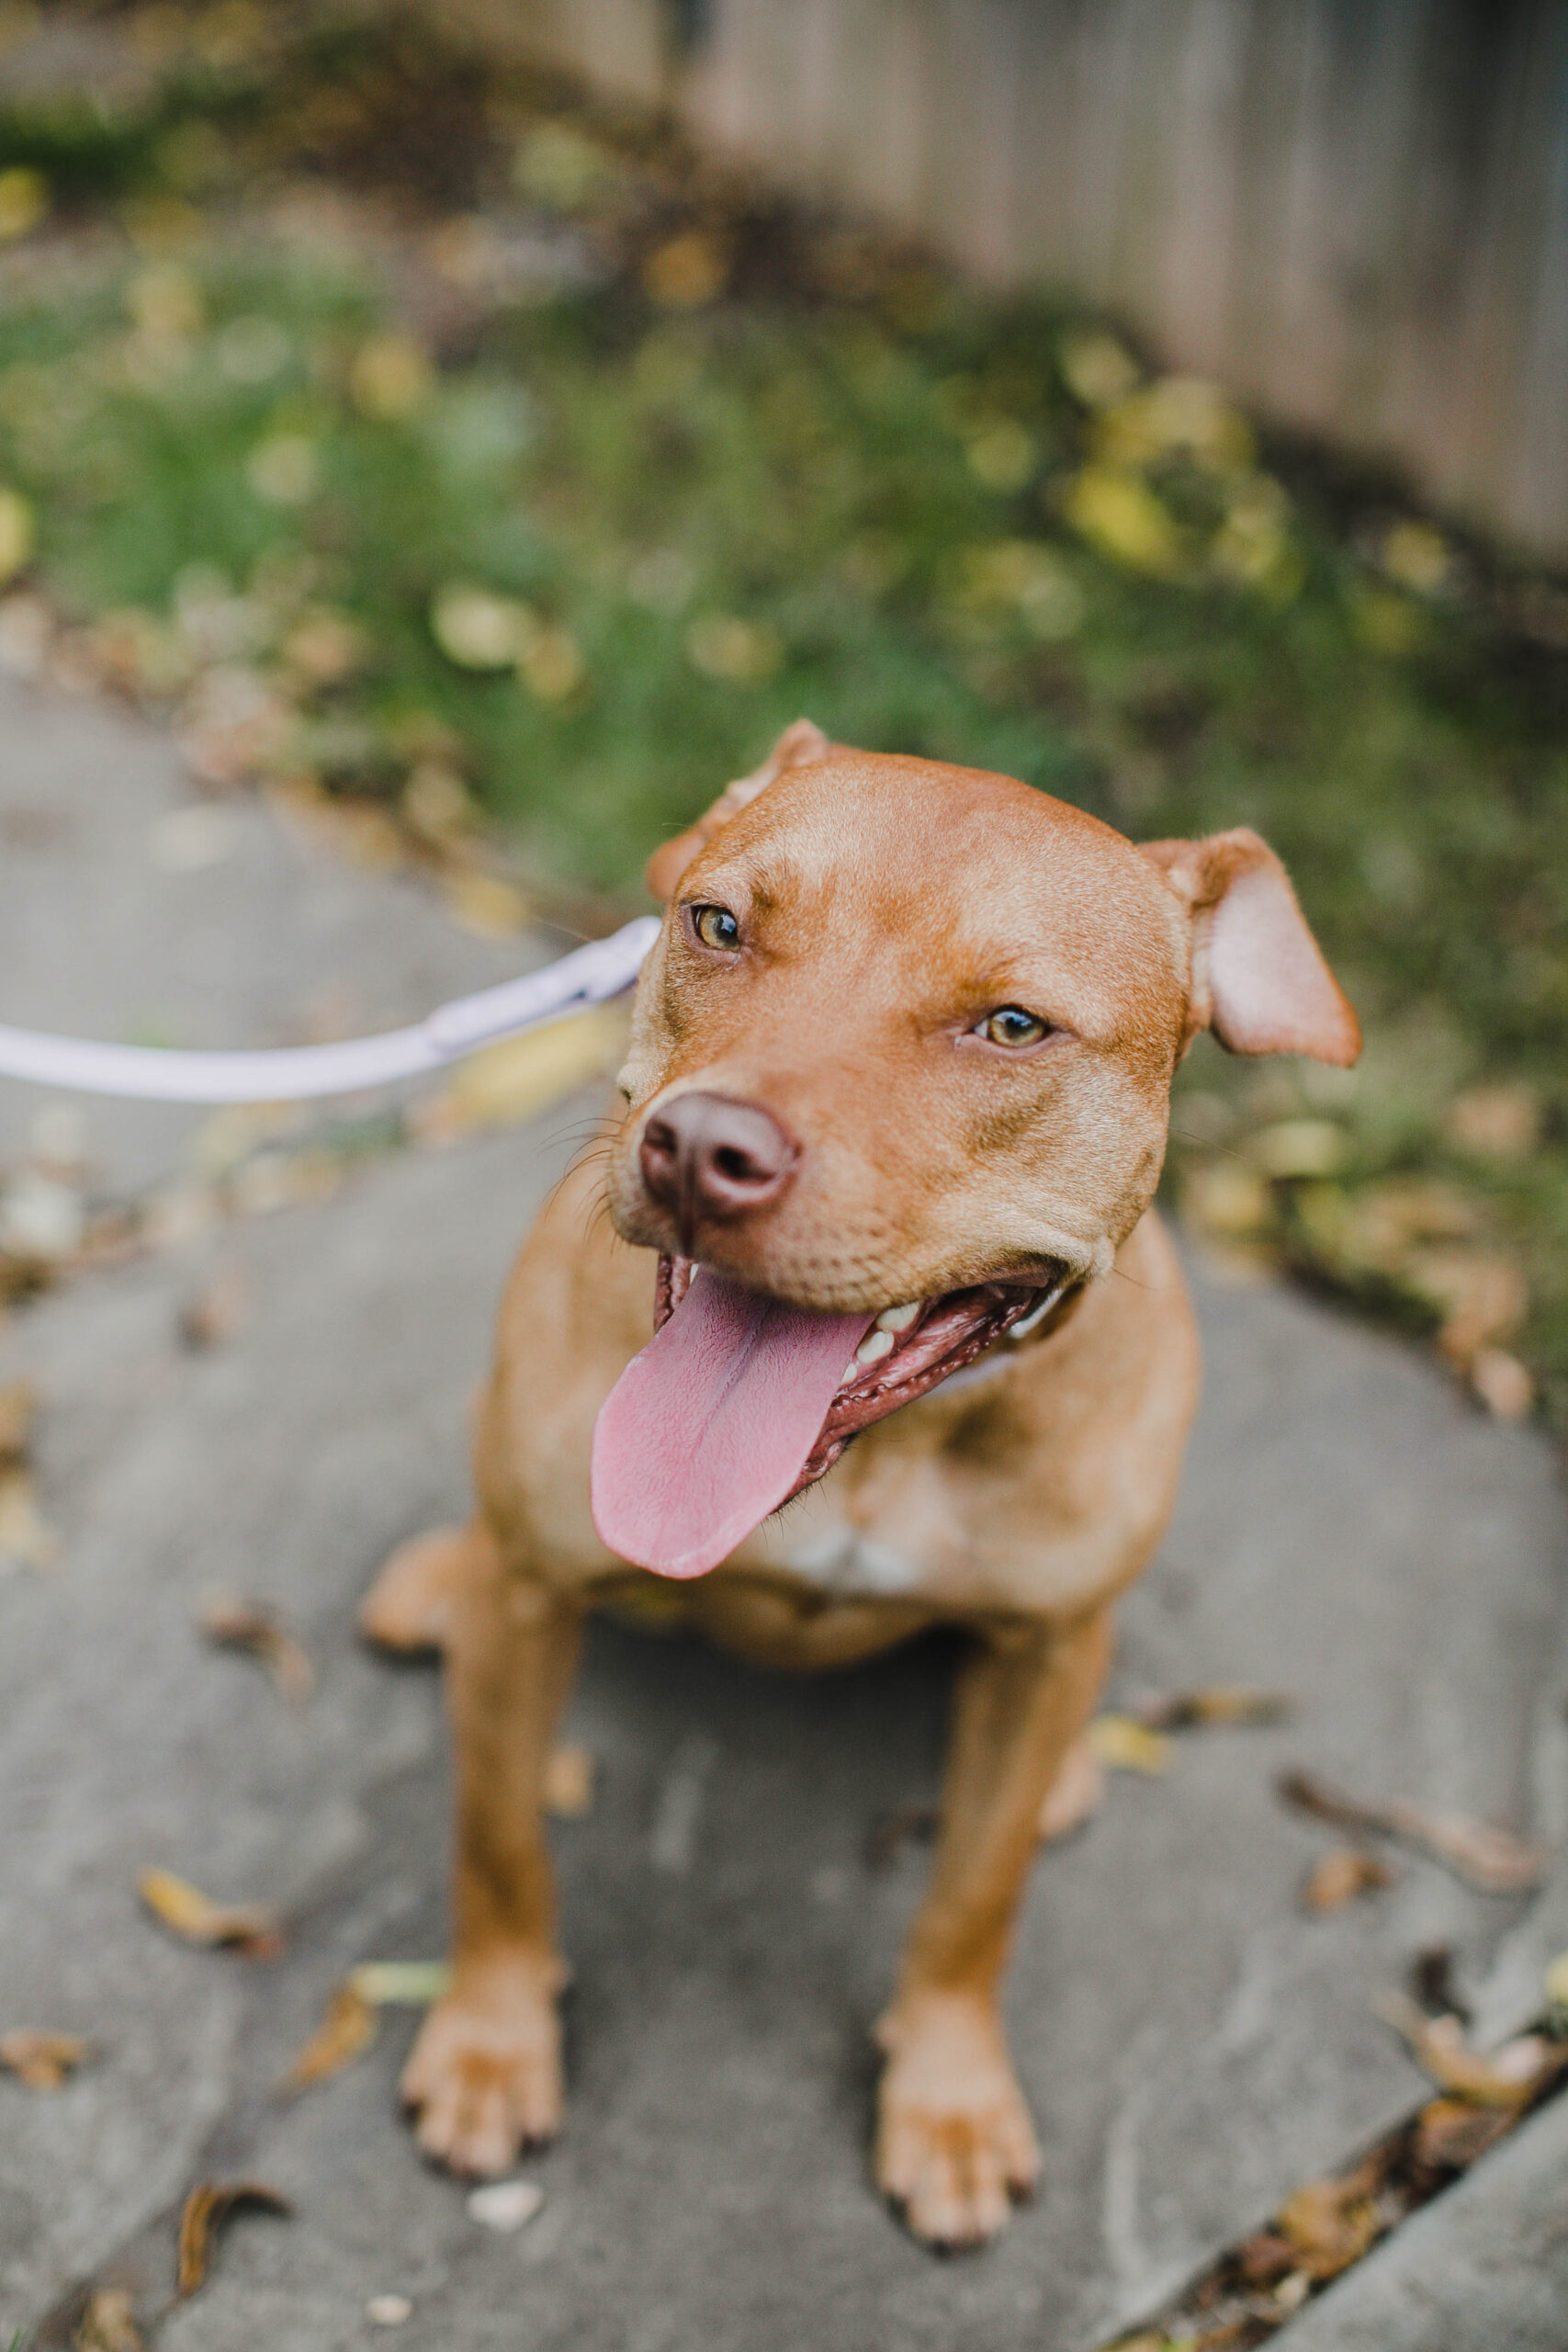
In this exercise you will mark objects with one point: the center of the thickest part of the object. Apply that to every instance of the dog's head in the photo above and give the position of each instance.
(902, 1055)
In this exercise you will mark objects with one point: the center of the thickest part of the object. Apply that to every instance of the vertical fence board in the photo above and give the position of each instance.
(1355, 211)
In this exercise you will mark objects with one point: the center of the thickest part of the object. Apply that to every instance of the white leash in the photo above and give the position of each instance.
(589, 975)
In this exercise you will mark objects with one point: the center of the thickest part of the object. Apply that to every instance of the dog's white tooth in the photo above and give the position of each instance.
(897, 1319)
(851, 1371)
(873, 1347)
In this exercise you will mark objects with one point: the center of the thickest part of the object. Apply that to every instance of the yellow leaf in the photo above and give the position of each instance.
(1119, 514)
(477, 629)
(1124, 1745)
(401, 1984)
(1180, 415)
(1295, 1147)
(24, 200)
(1096, 368)
(347, 2029)
(484, 904)
(24, 1537)
(390, 375)
(206, 2209)
(1507, 2077)
(17, 533)
(1226, 1199)
(42, 2061)
(1338, 1877)
(196, 1919)
(1417, 555)
(521, 1076)
(109, 2323)
(744, 652)
(685, 272)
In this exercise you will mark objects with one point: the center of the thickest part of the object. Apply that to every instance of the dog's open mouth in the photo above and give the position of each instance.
(738, 1401)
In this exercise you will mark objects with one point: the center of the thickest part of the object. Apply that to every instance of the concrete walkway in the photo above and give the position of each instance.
(1194, 2047)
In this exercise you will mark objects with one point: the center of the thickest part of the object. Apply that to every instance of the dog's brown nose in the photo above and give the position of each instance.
(706, 1156)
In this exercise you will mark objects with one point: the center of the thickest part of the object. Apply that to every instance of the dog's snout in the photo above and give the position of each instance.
(706, 1156)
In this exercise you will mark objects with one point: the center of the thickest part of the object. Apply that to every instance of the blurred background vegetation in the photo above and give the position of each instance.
(486, 473)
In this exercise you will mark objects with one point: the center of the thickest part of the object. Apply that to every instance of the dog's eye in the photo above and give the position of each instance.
(1011, 1026)
(715, 927)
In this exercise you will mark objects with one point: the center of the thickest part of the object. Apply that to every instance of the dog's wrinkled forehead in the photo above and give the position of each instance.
(964, 882)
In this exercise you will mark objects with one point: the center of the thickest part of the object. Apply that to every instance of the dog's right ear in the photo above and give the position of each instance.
(797, 747)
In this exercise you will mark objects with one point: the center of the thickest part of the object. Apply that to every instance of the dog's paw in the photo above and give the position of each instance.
(484, 2078)
(409, 1607)
(954, 2142)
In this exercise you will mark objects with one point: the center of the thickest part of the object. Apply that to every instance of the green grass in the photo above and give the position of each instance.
(835, 485)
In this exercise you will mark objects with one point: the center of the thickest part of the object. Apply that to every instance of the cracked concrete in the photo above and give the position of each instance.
(1350, 1531)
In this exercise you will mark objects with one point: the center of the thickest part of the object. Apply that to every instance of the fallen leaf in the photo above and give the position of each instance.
(213, 1316)
(523, 1076)
(484, 904)
(347, 2029)
(1492, 1860)
(1503, 1383)
(206, 2209)
(401, 1984)
(109, 2323)
(478, 630)
(1119, 513)
(568, 1783)
(1451, 2133)
(235, 1624)
(1124, 1745)
(686, 272)
(19, 1411)
(196, 1919)
(1338, 1877)
(1330, 2223)
(1266, 2257)
(26, 1538)
(1292, 2292)
(1294, 1149)
(1219, 1703)
(1509, 2077)
(722, 645)
(1226, 1200)
(1480, 1293)
(42, 2061)
(505, 2204)
(1494, 1122)
(390, 375)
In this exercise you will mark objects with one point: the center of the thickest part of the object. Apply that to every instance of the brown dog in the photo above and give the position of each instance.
(897, 1103)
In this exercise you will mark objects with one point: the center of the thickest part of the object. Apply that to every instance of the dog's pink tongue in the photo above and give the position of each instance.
(708, 1428)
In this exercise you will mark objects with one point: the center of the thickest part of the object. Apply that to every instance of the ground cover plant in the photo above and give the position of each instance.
(418, 437)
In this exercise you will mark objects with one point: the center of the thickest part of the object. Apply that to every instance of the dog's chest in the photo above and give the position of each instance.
(845, 1560)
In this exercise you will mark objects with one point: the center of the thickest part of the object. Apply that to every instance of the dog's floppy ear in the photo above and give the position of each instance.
(796, 748)
(1259, 978)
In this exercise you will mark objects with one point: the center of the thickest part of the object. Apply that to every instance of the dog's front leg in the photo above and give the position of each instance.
(955, 2140)
(485, 2074)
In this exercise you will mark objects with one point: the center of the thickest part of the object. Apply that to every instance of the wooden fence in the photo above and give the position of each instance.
(1354, 212)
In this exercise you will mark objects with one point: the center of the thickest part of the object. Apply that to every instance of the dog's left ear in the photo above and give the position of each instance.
(796, 748)
(1259, 978)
